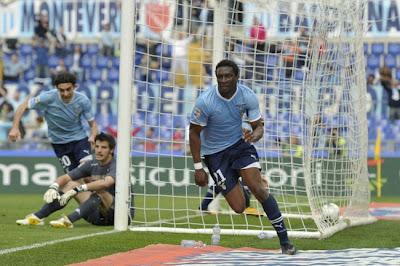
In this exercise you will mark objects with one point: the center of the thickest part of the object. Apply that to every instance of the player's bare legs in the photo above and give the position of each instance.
(235, 198)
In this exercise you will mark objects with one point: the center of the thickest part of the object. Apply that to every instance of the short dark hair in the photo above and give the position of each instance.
(106, 137)
(64, 77)
(228, 63)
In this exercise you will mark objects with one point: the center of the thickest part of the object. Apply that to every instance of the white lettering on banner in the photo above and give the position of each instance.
(185, 180)
(276, 177)
(41, 178)
(45, 177)
(154, 177)
(7, 170)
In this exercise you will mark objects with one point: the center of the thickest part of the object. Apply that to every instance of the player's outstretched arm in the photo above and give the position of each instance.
(14, 133)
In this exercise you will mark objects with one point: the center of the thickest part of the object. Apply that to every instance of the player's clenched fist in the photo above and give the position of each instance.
(14, 134)
(200, 177)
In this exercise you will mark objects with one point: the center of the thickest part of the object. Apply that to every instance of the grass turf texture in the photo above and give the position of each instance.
(13, 206)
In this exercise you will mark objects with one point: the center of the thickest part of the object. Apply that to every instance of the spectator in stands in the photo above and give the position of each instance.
(303, 44)
(60, 42)
(179, 56)
(197, 59)
(178, 141)
(258, 35)
(42, 59)
(106, 40)
(6, 116)
(149, 143)
(1, 64)
(42, 27)
(289, 56)
(13, 70)
(335, 143)
(393, 91)
(76, 62)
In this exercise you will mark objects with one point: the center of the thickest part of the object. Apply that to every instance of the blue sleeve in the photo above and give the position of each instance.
(252, 105)
(199, 114)
(87, 109)
(40, 102)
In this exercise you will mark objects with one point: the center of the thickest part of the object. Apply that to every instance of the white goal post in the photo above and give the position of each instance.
(303, 58)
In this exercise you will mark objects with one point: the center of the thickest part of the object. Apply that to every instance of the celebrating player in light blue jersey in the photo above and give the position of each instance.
(216, 134)
(63, 109)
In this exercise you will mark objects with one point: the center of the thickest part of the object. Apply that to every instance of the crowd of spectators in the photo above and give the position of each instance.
(181, 57)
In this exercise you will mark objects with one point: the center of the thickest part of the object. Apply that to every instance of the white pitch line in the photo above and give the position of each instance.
(38, 245)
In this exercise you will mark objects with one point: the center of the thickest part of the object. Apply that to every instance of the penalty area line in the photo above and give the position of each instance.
(48, 243)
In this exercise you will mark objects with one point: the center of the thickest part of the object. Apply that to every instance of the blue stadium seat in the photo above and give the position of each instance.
(94, 74)
(390, 61)
(394, 48)
(366, 48)
(53, 61)
(299, 75)
(377, 48)
(68, 61)
(373, 61)
(29, 75)
(101, 61)
(271, 60)
(398, 74)
(164, 50)
(93, 49)
(25, 50)
(86, 61)
(113, 75)
(84, 88)
(115, 61)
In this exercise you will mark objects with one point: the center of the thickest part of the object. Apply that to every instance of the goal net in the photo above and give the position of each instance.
(304, 59)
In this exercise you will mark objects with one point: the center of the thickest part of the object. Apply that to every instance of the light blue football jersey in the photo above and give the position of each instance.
(222, 118)
(64, 120)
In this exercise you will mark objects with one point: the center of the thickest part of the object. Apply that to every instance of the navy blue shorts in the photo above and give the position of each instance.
(96, 217)
(71, 153)
(224, 166)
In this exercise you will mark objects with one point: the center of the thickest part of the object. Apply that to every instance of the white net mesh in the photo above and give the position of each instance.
(304, 59)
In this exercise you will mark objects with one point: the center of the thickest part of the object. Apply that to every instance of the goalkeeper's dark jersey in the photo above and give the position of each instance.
(92, 171)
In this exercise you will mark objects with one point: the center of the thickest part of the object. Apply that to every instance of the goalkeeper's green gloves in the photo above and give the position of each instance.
(52, 193)
(71, 193)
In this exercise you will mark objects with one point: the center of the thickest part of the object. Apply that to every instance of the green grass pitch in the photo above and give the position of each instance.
(14, 206)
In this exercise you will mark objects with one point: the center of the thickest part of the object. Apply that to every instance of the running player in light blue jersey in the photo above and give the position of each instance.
(216, 134)
(63, 109)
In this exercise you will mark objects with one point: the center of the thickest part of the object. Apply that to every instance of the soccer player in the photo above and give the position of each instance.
(63, 110)
(216, 134)
(92, 185)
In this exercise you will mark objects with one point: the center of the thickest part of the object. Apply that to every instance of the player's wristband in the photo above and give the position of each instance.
(198, 166)
(81, 188)
(54, 186)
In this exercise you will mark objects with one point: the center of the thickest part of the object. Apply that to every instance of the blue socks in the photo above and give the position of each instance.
(271, 208)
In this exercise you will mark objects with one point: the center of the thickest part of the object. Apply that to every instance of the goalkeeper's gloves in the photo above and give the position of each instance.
(71, 193)
(52, 193)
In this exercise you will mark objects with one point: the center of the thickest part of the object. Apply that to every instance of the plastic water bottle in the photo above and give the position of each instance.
(264, 235)
(216, 236)
(192, 243)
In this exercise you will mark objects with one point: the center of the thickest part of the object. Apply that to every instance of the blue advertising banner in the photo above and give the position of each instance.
(84, 18)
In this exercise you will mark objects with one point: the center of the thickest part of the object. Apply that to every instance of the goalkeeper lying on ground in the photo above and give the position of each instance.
(92, 185)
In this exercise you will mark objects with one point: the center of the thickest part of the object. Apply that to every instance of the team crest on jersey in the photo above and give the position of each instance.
(77, 109)
(241, 108)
